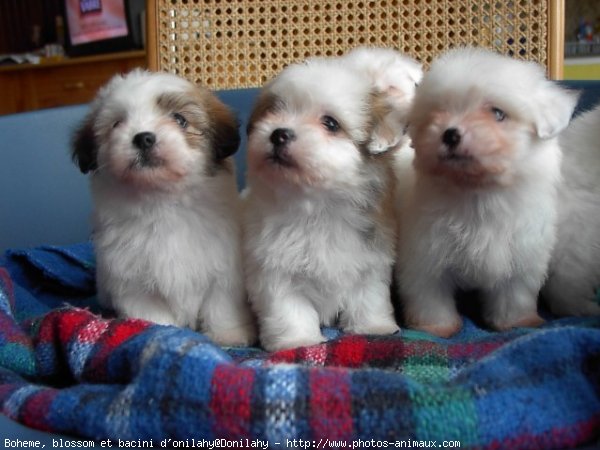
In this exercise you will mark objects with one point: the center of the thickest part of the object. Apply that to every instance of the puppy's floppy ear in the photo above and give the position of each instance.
(225, 134)
(85, 146)
(553, 110)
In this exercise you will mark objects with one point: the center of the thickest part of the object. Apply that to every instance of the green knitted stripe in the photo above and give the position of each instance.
(445, 414)
(427, 369)
(17, 358)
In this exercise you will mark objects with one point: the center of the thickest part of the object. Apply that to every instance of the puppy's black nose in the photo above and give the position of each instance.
(282, 136)
(451, 137)
(144, 141)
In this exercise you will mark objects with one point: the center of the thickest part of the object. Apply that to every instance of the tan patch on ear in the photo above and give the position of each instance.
(224, 130)
(265, 104)
(217, 111)
(212, 125)
(191, 106)
(84, 145)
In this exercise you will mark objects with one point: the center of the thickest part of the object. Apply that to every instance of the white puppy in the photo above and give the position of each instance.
(575, 266)
(166, 227)
(319, 219)
(481, 212)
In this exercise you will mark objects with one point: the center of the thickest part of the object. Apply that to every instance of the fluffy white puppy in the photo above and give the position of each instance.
(319, 213)
(481, 212)
(166, 226)
(575, 266)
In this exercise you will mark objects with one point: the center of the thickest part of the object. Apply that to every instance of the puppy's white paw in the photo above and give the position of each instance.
(443, 330)
(381, 144)
(243, 335)
(386, 325)
(512, 304)
(274, 343)
(529, 320)
(146, 307)
(435, 313)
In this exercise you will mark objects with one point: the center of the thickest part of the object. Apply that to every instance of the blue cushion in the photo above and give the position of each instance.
(44, 198)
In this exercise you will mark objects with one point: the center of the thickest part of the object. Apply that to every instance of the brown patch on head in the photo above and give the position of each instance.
(265, 104)
(208, 124)
(224, 130)
(85, 146)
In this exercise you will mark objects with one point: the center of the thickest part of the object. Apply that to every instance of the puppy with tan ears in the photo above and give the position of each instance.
(481, 213)
(166, 226)
(319, 212)
(574, 275)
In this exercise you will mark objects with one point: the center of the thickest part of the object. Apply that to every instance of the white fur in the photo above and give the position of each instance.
(575, 266)
(492, 230)
(168, 250)
(316, 251)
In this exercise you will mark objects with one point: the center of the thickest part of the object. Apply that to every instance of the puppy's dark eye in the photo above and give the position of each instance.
(181, 121)
(330, 123)
(116, 123)
(498, 114)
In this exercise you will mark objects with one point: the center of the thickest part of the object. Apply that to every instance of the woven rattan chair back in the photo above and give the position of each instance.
(243, 43)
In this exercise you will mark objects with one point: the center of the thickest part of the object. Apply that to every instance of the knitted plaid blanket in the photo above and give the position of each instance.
(64, 368)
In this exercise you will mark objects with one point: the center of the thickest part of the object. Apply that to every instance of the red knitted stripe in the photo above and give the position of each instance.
(230, 403)
(34, 412)
(330, 404)
(348, 351)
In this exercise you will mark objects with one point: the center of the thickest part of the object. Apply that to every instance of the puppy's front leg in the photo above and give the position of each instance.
(511, 303)
(146, 306)
(368, 308)
(288, 320)
(428, 305)
(225, 315)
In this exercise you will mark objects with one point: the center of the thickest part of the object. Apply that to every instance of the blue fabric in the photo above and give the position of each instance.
(70, 267)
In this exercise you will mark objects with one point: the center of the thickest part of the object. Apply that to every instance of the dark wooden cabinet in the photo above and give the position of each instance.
(67, 81)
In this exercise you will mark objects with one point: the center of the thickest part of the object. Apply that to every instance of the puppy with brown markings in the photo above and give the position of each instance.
(319, 211)
(482, 209)
(166, 225)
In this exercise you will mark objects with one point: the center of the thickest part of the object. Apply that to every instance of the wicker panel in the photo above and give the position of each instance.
(243, 43)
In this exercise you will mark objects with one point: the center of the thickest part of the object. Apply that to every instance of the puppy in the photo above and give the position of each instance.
(481, 212)
(166, 226)
(319, 213)
(574, 272)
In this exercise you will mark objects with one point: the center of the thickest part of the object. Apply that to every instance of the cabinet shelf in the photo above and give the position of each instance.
(62, 82)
